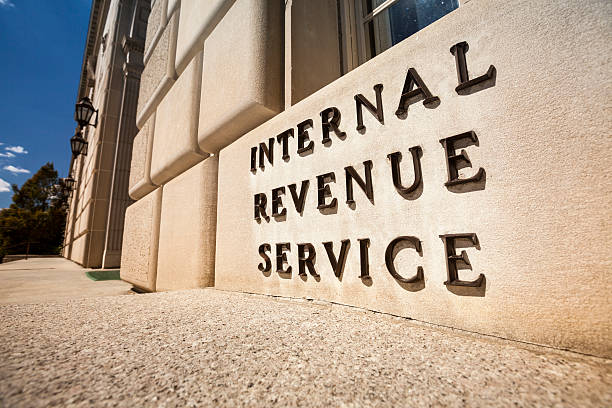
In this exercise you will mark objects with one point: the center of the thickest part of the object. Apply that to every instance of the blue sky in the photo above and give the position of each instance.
(41, 50)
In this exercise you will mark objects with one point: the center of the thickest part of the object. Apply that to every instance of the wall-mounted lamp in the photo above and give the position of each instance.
(68, 183)
(78, 144)
(84, 112)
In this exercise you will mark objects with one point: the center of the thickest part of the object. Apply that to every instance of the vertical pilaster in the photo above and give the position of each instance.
(120, 200)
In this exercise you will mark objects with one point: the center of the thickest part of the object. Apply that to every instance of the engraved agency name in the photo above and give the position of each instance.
(266, 205)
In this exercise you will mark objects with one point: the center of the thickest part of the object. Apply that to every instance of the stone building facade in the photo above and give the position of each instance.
(439, 160)
(112, 66)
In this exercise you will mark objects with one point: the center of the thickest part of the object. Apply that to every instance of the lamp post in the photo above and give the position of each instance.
(84, 111)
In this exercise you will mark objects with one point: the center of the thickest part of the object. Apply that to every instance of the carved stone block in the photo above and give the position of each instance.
(155, 25)
(188, 226)
(158, 74)
(175, 145)
(248, 62)
(140, 170)
(197, 20)
(141, 241)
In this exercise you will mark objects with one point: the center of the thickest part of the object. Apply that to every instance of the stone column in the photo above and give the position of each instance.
(120, 200)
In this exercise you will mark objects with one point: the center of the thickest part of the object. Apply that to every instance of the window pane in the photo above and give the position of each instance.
(401, 20)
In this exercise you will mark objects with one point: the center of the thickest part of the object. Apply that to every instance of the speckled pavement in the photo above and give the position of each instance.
(213, 348)
(40, 280)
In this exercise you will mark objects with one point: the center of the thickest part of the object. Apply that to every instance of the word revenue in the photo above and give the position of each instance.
(307, 259)
(414, 90)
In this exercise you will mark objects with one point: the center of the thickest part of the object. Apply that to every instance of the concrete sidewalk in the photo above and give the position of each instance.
(39, 280)
(212, 348)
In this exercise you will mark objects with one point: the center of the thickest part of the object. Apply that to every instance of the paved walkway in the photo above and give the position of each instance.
(40, 280)
(213, 348)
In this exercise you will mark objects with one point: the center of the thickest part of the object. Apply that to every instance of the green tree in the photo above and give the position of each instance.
(36, 219)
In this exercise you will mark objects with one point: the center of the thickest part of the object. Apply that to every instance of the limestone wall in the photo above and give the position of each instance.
(539, 214)
(518, 249)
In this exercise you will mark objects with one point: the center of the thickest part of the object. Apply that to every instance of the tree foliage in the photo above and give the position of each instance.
(36, 219)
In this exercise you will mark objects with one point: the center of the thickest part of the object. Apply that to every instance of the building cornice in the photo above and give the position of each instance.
(97, 19)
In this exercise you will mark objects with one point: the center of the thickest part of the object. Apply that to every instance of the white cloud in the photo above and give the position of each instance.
(6, 3)
(4, 186)
(7, 154)
(16, 170)
(16, 149)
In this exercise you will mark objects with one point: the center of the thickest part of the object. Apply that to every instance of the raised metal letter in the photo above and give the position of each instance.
(306, 261)
(299, 200)
(366, 185)
(410, 96)
(337, 265)
(254, 159)
(283, 139)
(277, 202)
(459, 50)
(455, 262)
(281, 257)
(396, 173)
(303, 137)
(268, 151)
(332, 123)
(323, 191)
(454, 162)
(377, 111)
(260, 206)
(262, 252)
(364, 244)
(390, 257)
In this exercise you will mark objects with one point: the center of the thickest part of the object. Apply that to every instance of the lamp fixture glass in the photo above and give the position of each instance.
(84, 111)
(78, 144)
(68, 183)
